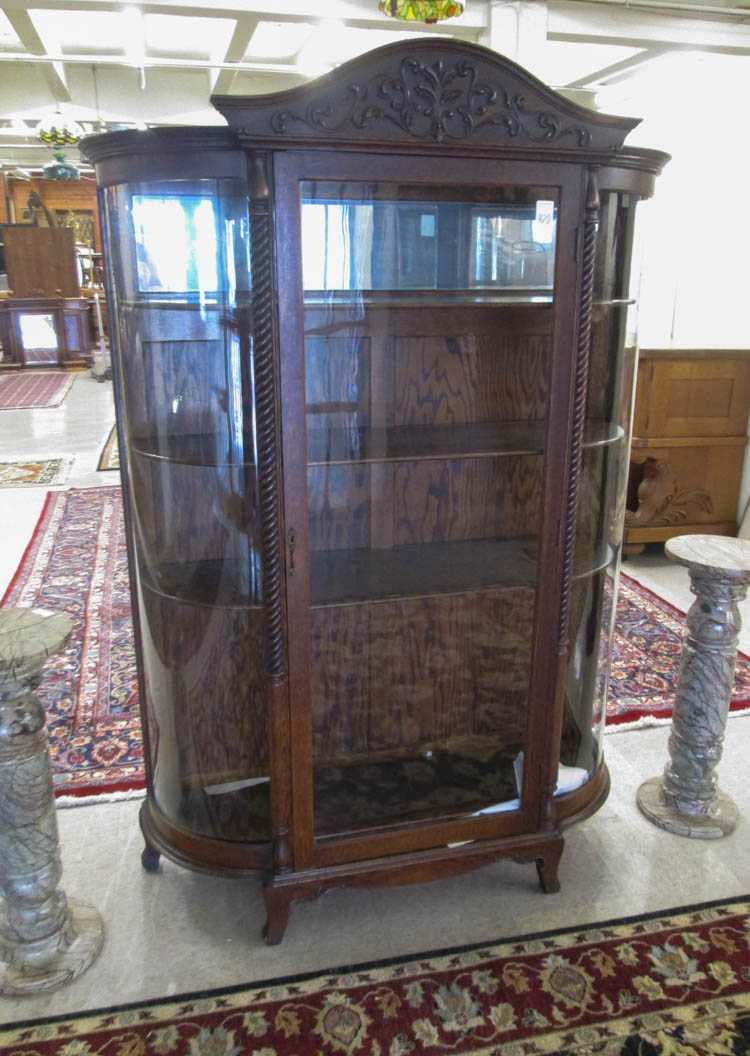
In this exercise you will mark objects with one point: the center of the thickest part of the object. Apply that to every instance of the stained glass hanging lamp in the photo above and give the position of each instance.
(57, 132)
(421, 10)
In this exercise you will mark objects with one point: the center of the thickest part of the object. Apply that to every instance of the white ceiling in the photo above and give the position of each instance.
(158, 61)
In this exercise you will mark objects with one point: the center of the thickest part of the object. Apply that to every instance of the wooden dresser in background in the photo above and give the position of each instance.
(689, 437)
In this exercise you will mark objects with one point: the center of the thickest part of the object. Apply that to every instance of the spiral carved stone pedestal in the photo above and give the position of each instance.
(686, 799)
(45, 941)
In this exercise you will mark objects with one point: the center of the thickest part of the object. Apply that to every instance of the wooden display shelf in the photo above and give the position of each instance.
(213, 582)
(398, 444)
(429, 298)
(189, 449)
(373, 790)
(446, 781)
(363, 576)
(340, 577)
(416, 442)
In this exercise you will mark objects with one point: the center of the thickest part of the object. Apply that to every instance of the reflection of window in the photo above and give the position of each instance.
(175, 243)
(388, 245)
(38, 332)
(515, 247)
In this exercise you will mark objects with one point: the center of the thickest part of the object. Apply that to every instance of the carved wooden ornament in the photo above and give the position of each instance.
(430, 92)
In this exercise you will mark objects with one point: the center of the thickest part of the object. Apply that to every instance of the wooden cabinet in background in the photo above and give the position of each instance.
(44, 332)
(40, 261)
(689, 437)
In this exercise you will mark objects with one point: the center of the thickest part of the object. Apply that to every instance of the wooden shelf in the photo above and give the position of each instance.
(362, 576)
(460, 777)
(215, 583)
(482, 297)
(449, 779)
(415, 442)
(189, 449)
(341, 577)
(400, 444)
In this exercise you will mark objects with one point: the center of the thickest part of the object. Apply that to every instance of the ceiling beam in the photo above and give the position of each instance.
(361, 14)
(221, 80)
(28, 34)
(153, 63)
(618, 71)
(609, 22)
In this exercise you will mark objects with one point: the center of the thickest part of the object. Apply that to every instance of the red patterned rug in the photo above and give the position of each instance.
(675, 982)
(646, 657)
(34, 388)
(76, 563)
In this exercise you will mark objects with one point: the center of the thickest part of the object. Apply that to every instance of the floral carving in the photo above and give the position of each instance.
(434, 101)
(661, 502)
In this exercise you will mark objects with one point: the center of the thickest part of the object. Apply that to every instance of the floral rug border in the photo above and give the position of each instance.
(697, 1000)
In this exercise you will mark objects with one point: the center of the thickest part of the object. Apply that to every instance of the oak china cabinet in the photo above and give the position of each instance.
(374, 377)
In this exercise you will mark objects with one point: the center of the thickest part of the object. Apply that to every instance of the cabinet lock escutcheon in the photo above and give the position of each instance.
(291, 541)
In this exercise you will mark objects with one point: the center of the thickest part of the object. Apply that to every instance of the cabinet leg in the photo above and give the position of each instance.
(278, 904)
(150, 859)
(547, 866)
(632, 550)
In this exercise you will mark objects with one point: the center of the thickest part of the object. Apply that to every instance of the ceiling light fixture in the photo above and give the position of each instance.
(57, 132)
(428, 11)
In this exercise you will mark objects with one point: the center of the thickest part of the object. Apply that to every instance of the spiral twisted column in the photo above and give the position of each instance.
(266, 410)
(580, 387)
(266, 417)
(45, 939)
(686, 799)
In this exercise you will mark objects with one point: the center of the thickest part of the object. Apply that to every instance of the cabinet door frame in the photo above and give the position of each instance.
(545, 702)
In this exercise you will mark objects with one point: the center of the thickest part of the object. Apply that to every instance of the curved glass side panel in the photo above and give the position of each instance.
(602, 486)
(181, 276)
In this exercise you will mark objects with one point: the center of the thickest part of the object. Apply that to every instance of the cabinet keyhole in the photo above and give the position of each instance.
(291, 538)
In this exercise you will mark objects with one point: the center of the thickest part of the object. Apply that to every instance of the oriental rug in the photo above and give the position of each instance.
(76, 563)
(34, 388)
(110, 456)
(675, 982)
(33, 473)
(646, 653)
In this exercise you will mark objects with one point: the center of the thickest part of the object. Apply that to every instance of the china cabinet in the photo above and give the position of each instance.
(374, 379)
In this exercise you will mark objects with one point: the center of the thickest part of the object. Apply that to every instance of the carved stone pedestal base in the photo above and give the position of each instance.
(45, 940)
(686, 799)
(720, 820)
(32, 968)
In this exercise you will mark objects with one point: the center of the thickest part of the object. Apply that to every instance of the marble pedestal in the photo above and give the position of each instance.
(45, 941)
(686, 799)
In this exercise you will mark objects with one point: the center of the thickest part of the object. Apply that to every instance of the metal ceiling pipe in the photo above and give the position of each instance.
(672, 5)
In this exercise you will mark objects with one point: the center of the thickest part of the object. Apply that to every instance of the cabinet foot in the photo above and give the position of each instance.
(632, 550)
(277, 915)
(547, 869)
(150, 859)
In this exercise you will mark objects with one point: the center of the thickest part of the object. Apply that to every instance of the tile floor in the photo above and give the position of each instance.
(177, 931)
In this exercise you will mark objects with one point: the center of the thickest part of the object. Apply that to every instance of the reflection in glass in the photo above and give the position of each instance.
(427, 353)
(175, 243)
(602, 486)
(38, 332)
(187, 376)
(392, 244)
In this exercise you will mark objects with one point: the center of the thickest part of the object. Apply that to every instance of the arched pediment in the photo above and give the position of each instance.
(431, 91)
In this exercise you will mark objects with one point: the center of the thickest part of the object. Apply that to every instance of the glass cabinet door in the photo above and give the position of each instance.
(427, 350)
